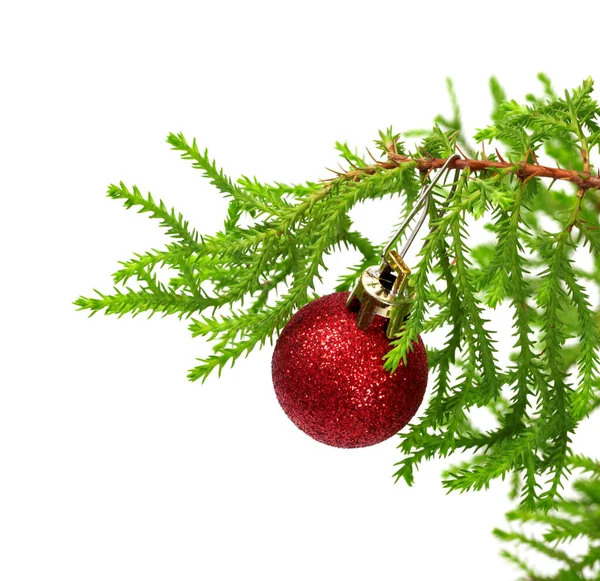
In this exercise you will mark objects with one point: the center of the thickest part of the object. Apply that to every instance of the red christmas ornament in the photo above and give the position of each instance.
(327, 366)
(329, 378)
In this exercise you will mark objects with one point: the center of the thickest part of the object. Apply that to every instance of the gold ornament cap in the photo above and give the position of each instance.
(383, 290)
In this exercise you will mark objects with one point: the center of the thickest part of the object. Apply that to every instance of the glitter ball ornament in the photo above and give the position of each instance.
(329, 378)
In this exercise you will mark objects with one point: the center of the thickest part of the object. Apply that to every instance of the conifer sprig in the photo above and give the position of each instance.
(569, 519)
(240, 286)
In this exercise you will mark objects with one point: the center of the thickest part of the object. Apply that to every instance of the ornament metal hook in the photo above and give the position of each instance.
(383, 290)
(423, 200)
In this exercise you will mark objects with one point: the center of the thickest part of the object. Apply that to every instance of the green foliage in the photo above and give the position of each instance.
(240, 286)
(576, 518)
(551, 383)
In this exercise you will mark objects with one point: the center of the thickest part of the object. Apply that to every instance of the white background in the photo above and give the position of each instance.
(114, 466)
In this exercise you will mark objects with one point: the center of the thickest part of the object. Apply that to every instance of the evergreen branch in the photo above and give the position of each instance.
(256, 272)
(568, 520)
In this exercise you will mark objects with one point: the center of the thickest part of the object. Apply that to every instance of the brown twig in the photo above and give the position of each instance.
(585, 180)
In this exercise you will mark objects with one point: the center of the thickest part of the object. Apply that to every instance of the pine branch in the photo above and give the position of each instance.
(240, 286)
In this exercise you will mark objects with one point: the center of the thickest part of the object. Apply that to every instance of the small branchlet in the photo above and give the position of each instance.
(571, 519)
